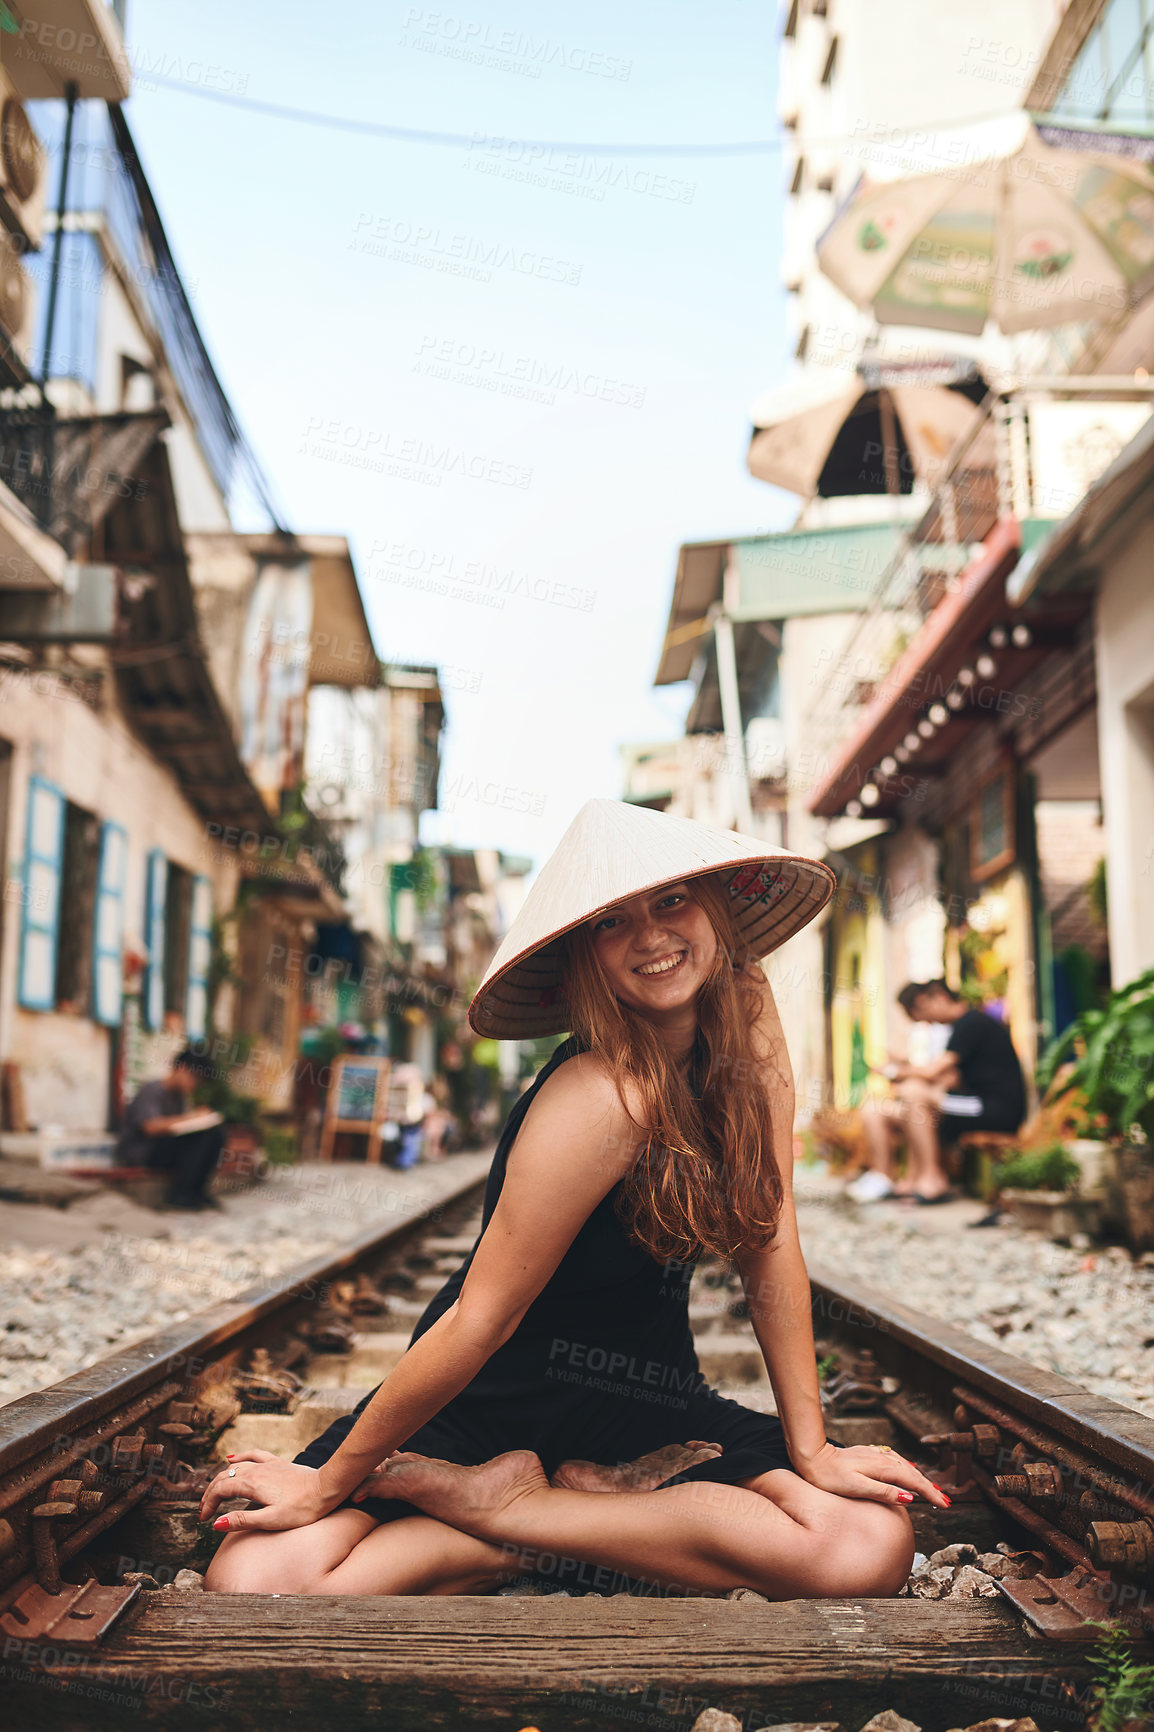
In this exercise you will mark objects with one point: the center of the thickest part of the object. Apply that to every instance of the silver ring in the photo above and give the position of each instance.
(232, 1473)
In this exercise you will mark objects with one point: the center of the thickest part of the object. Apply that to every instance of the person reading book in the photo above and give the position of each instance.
(163, 1129)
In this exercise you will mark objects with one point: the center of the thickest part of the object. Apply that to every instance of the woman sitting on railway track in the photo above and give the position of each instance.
(659, 1132)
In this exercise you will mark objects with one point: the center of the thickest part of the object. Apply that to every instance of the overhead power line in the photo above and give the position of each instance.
(586, 147)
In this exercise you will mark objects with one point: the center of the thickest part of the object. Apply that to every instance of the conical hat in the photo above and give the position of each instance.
(612, 850)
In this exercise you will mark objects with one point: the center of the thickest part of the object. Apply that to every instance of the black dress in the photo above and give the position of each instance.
(601, 1367)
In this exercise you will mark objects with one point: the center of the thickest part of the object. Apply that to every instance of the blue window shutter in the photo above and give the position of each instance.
(157, 892)
(199, 959)
(108, 928)
(43, 848)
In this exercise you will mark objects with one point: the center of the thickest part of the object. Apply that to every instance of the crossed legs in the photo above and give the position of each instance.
(773, 1533)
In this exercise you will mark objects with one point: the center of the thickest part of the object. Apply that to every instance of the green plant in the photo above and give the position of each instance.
(218, 1094)
(826, 1367)
(280, 1144)
(1114, 1063)
(1123, 1690)
(1048, 1169)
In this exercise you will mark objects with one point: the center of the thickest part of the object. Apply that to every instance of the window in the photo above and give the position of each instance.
(1111, 75)
(830, 62)
(72, 894)
(79, 863)
(177, 936)
(798, 180)
(790, 30)
(156, 885)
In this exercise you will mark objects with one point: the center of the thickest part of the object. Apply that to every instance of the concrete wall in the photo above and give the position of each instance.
(91, 756)
(1124, 646)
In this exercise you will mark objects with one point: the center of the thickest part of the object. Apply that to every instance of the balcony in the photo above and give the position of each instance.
(1030, 456)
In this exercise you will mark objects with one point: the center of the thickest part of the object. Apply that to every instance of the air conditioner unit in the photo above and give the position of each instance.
(23, 169)
(16, 300)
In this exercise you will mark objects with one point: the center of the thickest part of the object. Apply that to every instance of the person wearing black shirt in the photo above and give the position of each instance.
(976, 1084)
(161, 1129)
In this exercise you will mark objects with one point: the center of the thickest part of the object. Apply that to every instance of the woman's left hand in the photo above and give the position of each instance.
(869, 1471)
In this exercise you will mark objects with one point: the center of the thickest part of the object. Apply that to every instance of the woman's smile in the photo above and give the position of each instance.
(665, 965)
(657, 950)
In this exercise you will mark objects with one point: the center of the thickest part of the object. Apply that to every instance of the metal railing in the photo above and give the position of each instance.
(1001, 467)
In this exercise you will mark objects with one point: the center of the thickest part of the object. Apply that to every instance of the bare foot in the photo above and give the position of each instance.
(640, 1475)
(472, 1499)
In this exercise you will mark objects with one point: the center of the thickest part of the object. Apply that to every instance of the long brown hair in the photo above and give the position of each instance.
(707, 1178)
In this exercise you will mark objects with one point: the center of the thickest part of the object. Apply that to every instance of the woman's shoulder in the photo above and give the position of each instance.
(585, 1080)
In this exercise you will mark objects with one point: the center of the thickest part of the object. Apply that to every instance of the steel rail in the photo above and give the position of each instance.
(79, 1402)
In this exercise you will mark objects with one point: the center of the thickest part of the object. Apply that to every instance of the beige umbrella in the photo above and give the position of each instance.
(1029, 225)
(872, 431)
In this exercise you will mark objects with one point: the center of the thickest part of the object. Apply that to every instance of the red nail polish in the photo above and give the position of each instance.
(228, 1458)
(221, 1522)
(905, 1497)
(947, 1501)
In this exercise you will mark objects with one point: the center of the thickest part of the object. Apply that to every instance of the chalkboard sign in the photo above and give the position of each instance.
(358, 1091)
(357, 1101)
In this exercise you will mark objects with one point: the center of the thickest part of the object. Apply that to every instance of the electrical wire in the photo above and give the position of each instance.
(470, 140)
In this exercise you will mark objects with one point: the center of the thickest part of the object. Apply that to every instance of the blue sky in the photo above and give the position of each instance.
(516, 384)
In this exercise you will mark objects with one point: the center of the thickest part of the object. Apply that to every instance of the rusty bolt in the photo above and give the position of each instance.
(7, 1538)
(126, 1453)
(153, 1452)
(1037, 1479)
(1121, 1545)
(44, 1543)
(64, 1491)
(978, 1440)
(174, 1429)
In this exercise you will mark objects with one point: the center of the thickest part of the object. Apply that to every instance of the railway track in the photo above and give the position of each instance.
(100, 1477)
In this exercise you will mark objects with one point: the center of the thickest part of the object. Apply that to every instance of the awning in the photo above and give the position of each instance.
(68, 42)
(786, 576)
(341, 651)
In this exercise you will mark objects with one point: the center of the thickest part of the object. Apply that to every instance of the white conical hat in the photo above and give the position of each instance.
(612, 850)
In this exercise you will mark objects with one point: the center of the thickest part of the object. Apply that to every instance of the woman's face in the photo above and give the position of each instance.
(656, 949)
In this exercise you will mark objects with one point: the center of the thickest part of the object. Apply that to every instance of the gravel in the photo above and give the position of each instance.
(128, 1272)
(1086, 1313)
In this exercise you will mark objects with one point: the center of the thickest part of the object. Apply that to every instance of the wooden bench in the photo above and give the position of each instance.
(979, 1152)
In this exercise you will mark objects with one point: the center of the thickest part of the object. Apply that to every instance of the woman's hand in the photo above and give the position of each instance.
(870, 1471)
(290, 1495)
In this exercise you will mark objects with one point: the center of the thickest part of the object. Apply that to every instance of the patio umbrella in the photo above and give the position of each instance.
(871, 431)
(1029, 225)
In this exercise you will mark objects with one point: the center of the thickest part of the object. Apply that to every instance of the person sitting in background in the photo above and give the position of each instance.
(974, 1084)
(438, 1122)
(162, 1129)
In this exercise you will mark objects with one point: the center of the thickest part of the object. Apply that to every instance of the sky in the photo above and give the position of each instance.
(515, 379)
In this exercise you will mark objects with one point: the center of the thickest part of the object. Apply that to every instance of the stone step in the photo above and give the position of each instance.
(286, 1434)
(731, 1358)
(373, 1355)
(458, 1247)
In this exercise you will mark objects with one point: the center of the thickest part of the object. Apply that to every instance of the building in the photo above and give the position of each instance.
(945, 738)
(965, 717)
(166, 879)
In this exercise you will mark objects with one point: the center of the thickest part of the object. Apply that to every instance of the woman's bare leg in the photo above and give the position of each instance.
(775, 1534)
(349, 1552)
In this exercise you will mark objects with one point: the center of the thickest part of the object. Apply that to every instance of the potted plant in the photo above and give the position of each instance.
(1113, 1071)
(1041, 1188)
